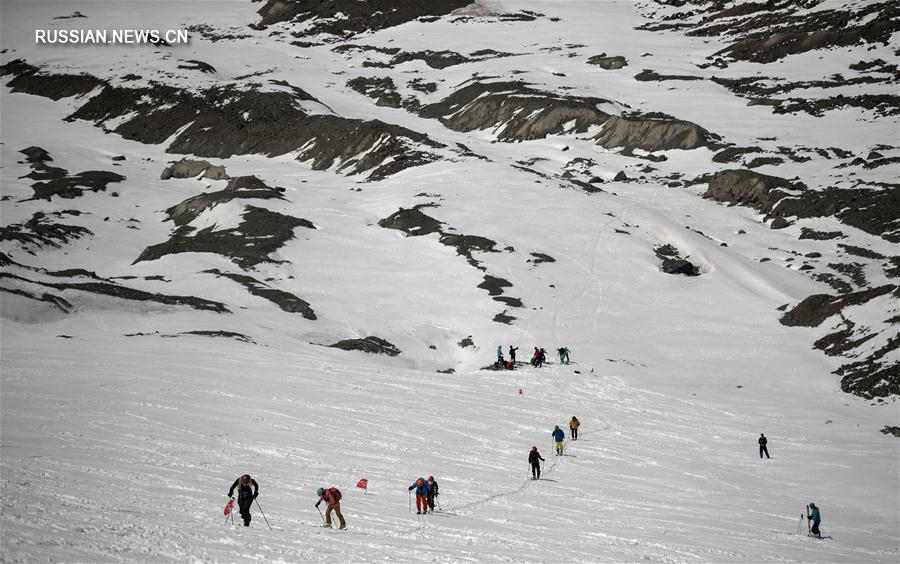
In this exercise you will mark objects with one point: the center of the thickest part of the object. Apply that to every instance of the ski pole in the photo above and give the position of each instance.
(320, 513)
(263, 514)
(800, 524)
(409, 498)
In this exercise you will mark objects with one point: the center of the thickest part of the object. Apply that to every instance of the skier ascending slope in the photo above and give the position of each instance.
(432, 492)
(563, 353)
(573, 427)
(247, 489)
(558, 436)
(332, 499)
(812, 514)
(535, 459)
(421, 487)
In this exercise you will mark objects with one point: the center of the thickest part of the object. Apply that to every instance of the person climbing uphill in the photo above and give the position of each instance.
(812, 514)
(535, 357)
(247, 489)
(563, 353)
(573, 426)
(332, 499)
(535, 459)
(432, 492)
(421, 488)
(559, 436)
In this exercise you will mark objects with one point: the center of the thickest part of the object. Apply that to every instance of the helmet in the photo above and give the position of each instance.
(245, 479)
(320, 492)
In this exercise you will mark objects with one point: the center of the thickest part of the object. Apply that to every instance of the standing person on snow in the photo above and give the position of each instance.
(563, 355)
(512, 353)
(332, 499)
(559, 436)
(815, 518)
(500, 361)
(573, 426)
(432, 492)
(535, 459)
(421, 487)
(247, 489)
(535, 357)
(762, 446)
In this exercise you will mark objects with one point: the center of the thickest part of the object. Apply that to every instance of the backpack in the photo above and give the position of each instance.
(335, 495)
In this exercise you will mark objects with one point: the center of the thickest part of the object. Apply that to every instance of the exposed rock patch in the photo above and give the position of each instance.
(29, 79)
(55, 181)
(187, 168)
(650, 133)
(285, 300)
(372, 345)
(674, 263)
(227, 120)
(815, 309)
(241, 187)
(40, 231)
(515, 111)
(261, 233)
(608, 63)
(346, 18)
(382, 90)
(412, 222)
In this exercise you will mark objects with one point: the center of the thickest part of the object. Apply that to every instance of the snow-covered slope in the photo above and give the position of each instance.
(445, 183)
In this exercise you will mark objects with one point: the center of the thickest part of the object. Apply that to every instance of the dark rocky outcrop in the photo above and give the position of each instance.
(674, 263)
(29, 79)
(187, 168)
(346, 18)
(878, 375)
(651, 133)
(108, 288)
(223, 121)
(41, 231)
(608, 63)
(648, 75)
(372, 345)
(261, 233)
(516, 111)
(412, 222)
(815, 309)
(243, 187)
(285, 300)
(382, 90)
(56, 181)
(745, 187)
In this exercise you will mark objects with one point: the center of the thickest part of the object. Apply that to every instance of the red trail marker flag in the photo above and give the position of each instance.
(363, 484)
(229, 506)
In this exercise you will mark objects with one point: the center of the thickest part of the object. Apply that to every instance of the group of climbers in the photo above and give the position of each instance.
(538, 358)
(426, 492)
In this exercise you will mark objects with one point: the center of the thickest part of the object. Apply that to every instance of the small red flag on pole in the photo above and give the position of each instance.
(363, 484)
(229, 506)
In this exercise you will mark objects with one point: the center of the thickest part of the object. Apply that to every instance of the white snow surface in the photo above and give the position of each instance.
(121, 448)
